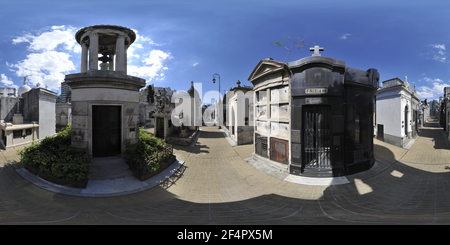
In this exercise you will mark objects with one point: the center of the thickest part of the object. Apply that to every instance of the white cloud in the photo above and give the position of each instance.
(156, 57)
(140, 38)
(440, 54)
(150, 61)
(153, 66)
(46, 68)
(51, 51)
(433, 92)
(343, 37)
(436, 80)
(50, 40)
(438, 46)
(8, 82)
(49, 61)
(441, 59)
(195, 64)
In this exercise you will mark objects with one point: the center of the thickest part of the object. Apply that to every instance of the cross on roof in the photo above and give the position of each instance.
(316, 50)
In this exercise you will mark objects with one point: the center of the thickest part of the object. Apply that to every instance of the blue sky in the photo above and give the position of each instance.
(183, 41)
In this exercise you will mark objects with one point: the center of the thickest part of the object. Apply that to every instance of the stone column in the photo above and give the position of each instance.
(111, 63)
(93, 51)
(9, 137)
(125, 60)
(84, 58)
(120, 53)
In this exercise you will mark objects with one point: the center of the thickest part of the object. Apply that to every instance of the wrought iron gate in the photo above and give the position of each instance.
(261, 145)
(316, 137)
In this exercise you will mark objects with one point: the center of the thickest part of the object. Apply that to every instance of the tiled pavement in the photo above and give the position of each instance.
(219, 187)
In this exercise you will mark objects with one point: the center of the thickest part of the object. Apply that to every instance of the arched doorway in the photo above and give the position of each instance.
(232, 122)
(406, 121)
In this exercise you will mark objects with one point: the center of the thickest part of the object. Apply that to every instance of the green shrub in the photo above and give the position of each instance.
(147, 154)
(55, 156)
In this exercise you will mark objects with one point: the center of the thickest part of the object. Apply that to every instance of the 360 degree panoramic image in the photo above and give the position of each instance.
(224, 113)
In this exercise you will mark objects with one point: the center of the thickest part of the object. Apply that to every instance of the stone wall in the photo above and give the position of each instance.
(63, 112)
(245, 135)
(8, 106)
(31, 105)
(47, 111)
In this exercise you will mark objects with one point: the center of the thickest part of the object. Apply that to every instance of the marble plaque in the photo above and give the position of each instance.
(316, 90)
(316, 100)
(279, 111)
(284, 93)
(295, 136)
(262, 126)
(274, 95)
(296, 150)
(279, 94)
(261, 111)
(261, 96)
(279, 129)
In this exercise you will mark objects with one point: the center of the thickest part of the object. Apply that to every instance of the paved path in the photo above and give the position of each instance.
(219, 187)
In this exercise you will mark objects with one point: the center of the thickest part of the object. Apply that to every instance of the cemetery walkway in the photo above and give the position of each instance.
(218, 186)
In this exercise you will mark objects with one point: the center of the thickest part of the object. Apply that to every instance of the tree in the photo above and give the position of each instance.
(150, 94)
(292, 44)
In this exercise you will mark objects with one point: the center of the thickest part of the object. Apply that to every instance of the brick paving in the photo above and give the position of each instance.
(219, 187)
(430, 147)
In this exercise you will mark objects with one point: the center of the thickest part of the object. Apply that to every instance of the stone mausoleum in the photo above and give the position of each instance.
(27, 118)
(239, 114)
(105, 100)
(398, 112)
(314, 115)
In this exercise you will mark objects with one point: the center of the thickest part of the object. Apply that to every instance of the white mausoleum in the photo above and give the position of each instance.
(397, 112)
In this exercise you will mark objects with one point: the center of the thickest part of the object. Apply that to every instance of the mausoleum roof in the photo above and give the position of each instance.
(131, 34)
(23, 89)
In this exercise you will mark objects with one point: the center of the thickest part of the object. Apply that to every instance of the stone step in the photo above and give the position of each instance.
(107, 160)
(108, 168)
(110, 175)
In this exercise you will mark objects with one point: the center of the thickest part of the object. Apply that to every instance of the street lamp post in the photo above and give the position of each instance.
(218, 114)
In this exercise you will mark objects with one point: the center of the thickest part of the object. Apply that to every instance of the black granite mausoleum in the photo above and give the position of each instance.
(332, 116)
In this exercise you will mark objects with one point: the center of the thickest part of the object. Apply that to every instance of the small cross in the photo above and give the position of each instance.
(316, 50)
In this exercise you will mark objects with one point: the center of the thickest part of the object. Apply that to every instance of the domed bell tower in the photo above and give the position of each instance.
(105, 100)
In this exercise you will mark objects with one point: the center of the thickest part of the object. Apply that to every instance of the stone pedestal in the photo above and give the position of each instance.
(17, 119)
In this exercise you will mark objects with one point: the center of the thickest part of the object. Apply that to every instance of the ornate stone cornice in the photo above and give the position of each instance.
(81, 33)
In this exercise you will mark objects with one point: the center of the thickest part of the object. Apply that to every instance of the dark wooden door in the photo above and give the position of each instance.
(160, 127)
(279, 150)
(106, 128)
(316, 137)
(380, 132)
